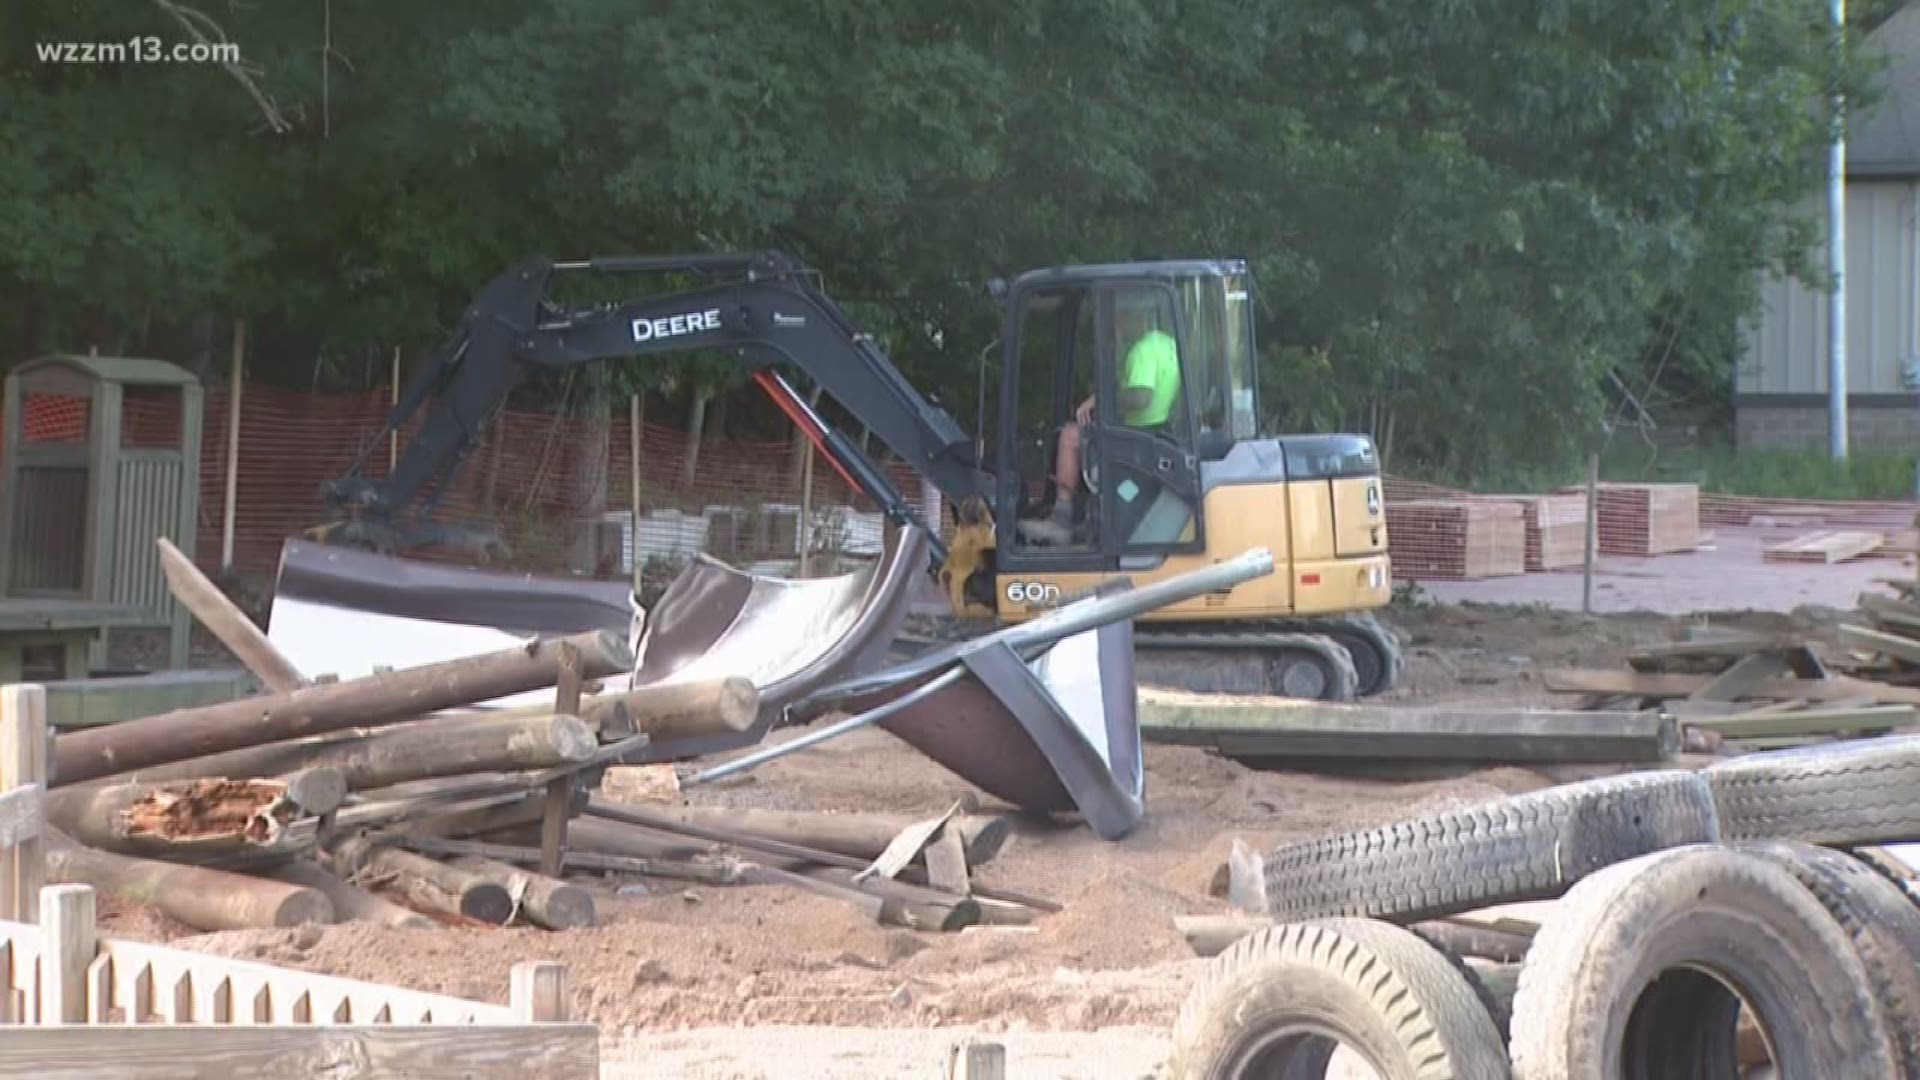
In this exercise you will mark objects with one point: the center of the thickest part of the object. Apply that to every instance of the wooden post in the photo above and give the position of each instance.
(805, 527)
(235, 380)
(977, 1061)
(559, 804)
(538, 992)
(633, 483)
(1593, 532)
(393, 399)
(67, 931)
(23, 761)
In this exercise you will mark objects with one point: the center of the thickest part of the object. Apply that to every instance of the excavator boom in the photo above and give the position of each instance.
(764, 309)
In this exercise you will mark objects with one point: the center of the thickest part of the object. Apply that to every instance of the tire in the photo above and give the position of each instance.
(1529, 847)
(1276, 1004)
(1580, 1012)
(1860, 792)
(1883, 924)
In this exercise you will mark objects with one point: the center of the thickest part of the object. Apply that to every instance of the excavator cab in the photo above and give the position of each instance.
(1128, 442)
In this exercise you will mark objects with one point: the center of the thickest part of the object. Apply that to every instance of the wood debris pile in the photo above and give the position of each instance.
(1746, 692)
(393, 799)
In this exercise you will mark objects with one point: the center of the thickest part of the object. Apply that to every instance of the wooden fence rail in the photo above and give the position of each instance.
(23, 777)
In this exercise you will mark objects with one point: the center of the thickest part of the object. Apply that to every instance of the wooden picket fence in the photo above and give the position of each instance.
(74, 1004)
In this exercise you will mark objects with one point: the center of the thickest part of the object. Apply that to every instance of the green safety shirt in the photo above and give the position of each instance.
(1153, 364)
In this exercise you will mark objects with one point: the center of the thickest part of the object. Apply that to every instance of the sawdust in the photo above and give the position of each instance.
(681, 957)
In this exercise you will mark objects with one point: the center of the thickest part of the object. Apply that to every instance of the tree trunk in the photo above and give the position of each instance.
(202, 898)
(696, 423)
(590, 473)
(185, 820)
(196, 732)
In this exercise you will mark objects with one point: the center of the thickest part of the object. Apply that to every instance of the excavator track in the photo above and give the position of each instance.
(1235, 660)
(1377, 657)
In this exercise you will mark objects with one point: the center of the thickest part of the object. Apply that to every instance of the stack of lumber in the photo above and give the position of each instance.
(1824, 546)
(1461, 539)
(393, 799)
(1556, 529)
(1645, 519)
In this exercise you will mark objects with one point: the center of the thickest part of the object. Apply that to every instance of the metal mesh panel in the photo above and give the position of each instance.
(49, 529)
(149, 494)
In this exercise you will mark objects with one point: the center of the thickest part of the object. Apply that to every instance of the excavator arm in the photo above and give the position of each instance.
(764, 309)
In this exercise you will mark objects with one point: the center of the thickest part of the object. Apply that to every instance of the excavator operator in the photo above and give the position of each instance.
(1149, 382)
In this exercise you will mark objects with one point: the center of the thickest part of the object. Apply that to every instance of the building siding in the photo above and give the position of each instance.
(1787, 344)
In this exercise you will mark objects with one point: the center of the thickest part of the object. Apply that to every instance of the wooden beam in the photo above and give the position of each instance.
(1777, 724)
(1898, 646)
(226, 621)
(1739, 680)
(1258, 726)
(1639, 684)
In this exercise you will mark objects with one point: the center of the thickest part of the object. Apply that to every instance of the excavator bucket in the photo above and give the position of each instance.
(344, 611)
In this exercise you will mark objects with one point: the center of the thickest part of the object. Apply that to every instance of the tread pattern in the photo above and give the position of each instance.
(1530, 847)
(1867, 791)
(1330, 654)
(1612, 923)
(1883, 924)
(1438, 1020)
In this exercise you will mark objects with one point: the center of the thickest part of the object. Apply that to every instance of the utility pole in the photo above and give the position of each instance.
(1837, 256)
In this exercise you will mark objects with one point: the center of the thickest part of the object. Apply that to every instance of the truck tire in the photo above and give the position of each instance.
(1838, 793)
(1278, 1003)
(1529, 847)
(1581, 1010)
(1883, 924)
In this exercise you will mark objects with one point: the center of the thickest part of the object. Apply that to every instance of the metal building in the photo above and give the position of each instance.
(1780, 391)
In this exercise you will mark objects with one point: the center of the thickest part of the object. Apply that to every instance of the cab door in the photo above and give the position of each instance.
(1148, 473)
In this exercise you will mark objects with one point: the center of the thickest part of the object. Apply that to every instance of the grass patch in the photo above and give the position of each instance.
(1719, 469)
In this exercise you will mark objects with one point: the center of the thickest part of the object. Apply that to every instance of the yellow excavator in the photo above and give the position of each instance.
(1126, 441)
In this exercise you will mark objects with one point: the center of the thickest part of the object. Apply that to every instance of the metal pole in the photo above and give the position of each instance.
(814, 738)
(235, 380)
(1837, 260)
(1593, 532)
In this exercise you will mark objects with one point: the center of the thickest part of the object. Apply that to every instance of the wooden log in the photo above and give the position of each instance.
(1211, 935)
(422, 882)
(718, 872)
(350, 904)
(546, 901)
(1263, 726)
(225, 621)
(1483, 942)
(189, 733)
(858, 835)
(197, 896)
(677, 710)
(369, 759)
(632, 816)
(186, 820)
(593, 834)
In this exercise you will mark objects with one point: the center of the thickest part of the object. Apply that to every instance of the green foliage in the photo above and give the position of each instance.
(1462, 215)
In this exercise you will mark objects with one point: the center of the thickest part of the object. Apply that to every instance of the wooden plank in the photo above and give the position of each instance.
(23, 761)
(1650, 685)
(1897, 646)
(1824, 547)
(1763, 724)
(1261, 726)
(1739, 680)
(369, 1052)
(67, 929)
